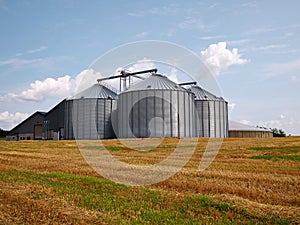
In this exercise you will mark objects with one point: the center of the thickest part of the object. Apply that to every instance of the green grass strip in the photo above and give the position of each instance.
(277, 157)
(135, 205)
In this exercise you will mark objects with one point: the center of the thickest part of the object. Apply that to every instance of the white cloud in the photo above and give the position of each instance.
(36, 63)
(268, 47)
(239, 42)
(191, 23)
(50, 87)
(214, 5)
(231, 107)
(171, 32)
(144, 64)
(65, 86)
(18, 54)
(8, 120)
(41, 48)
(168, 10)
(142, 34)
(288, 68)
(251, 4)
(246, 122)
(289, 122)
(83, 80)
(263, 30)
(211, 37)
(60, 87)
(272, 124)
(294, 78)
(281, 116)
(17, 62)
(217, 57)
(173, 75)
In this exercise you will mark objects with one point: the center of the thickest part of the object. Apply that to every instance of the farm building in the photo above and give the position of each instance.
(239, 130)
(30, 129)
(41, 125)
(152, 107)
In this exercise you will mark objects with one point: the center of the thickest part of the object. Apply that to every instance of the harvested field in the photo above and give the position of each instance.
(251, 181)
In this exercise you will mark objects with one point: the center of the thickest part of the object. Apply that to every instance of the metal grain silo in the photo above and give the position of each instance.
(156, 107)
(211, 114)
(88, 113)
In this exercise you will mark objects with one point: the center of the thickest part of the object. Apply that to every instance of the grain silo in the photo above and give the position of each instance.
(211, 114)
(156, 107)
(88, 113)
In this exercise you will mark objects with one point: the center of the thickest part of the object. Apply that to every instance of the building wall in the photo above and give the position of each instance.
(250, 134)
(25, 136)
(25, 130)
(54, 122)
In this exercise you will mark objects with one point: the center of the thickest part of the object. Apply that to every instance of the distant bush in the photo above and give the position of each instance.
(278, 132)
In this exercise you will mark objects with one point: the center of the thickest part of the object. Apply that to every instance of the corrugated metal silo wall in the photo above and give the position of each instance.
(89, 119)
(223, 115)
(226, 122)
(212, 118)
(156, 113)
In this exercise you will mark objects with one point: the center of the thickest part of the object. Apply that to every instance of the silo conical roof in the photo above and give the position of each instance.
(201, 94)
(96, 91)
(156, 82)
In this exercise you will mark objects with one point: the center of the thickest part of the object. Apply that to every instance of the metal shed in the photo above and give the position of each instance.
(88, 113)
(156, 107)
(211, 114)
(239, 130)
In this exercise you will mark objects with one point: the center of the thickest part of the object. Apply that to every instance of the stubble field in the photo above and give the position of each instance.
(251, 181)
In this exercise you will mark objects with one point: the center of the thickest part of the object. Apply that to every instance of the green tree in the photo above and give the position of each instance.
(278, 132)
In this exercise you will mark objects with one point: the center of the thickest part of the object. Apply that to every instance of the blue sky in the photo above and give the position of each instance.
(252, 48)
